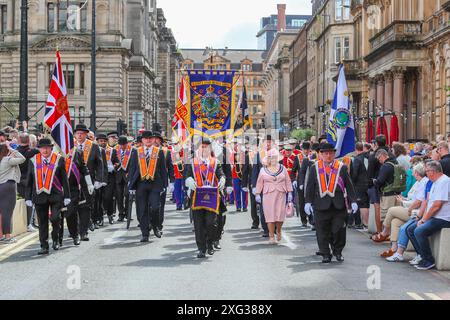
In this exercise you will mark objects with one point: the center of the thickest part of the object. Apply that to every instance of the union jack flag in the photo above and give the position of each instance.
(57, 115)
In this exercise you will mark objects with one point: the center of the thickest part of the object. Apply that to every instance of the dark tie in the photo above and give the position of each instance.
(123, 154)
(45, 168)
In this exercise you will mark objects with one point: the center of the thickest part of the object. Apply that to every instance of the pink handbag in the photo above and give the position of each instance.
(290, 210)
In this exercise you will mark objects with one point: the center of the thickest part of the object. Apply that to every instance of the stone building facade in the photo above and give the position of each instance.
(249, 63)
(126, 59)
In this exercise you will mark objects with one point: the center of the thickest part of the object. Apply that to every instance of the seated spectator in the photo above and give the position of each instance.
(398, 216)
(436, 217)
(443, 151)
(10, 160)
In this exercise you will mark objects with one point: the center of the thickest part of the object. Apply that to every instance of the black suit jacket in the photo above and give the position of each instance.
(312, 194)
(169, 166)
(55, 195)
(95, 164)
(75, 192)
(134, 175)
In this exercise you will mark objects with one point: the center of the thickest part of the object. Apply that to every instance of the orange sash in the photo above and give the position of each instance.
(328, 187)
(148, 171)
(49, 172)
(126, 159)
(87, 150)
(108, 153)
(201, 171)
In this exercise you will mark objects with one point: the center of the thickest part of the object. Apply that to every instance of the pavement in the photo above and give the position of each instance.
(115, 266)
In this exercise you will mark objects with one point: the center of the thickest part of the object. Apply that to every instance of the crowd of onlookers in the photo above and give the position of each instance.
(409, 187)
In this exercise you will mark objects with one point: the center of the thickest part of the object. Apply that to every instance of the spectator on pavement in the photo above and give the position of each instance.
(360, 181)
(398, 216)
(3, 137)
(402, 156)
(443, 151)
(10, 160)
(436, 217)
(25, 149)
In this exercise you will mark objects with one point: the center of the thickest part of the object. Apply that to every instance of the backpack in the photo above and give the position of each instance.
(399, 184)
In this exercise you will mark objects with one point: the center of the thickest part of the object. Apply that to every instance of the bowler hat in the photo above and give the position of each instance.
(123, 141)
(147, 134)
(158, 135)
(206, 141)
(324, 147)
(113, 133)
(306, 145)
(45, 143)
(102, 136)
(81, 127)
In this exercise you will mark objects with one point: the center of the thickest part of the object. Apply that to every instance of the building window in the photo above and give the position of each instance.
(4, 18)
(82, 71)
(69, 70)
(246, 67)
(342, 10)
(346, 48)
(81, 114)
(72, 16)
(337, 50)
(62, 16)
(297, 23)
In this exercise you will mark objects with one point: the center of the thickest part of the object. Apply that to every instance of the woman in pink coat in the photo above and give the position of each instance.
(274, 186)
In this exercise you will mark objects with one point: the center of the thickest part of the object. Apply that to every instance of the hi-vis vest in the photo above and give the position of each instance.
(148, 168)
(44, 176)
(205, 175)
(328, 187)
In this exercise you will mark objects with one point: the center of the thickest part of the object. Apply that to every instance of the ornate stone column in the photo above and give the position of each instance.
(380, 91)
(388, 91)
(398, 99)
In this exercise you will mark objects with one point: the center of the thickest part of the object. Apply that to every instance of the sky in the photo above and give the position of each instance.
(214, 23)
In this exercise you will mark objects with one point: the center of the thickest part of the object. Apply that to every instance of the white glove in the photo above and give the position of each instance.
(294, 185)
(132, 192)
(110, 168)
(97, 185)
(90, 186)
(309, 209)
(258, 199)
(171, 188)
(29, 203)
(67, 202)
(222, 183)
(290, 197)
(355, 208)
(190, 183)
(245, 190)
(254, 191)
(230, 190)
(104, 184)
(302, 188)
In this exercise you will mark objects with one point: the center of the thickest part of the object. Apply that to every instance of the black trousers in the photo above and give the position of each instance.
(205, 224)
(147, 205)
(42, 211)
(331, 229)
(301, 208)
(84, 216)
(98, 210)
(72, 219)
(254, 211)
(162, 207)
(109, 193)
(221, 221)
(122, 198)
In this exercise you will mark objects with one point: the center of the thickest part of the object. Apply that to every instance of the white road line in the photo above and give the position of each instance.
(433, 296)
(289, 243)
(116, 238)
(415, 296)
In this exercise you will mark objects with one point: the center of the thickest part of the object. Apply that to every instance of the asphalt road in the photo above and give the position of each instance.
(114, 265)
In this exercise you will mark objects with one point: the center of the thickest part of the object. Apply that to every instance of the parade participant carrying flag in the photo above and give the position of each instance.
(341, 128)
(179, 125)
(57, 115)
(243, 120)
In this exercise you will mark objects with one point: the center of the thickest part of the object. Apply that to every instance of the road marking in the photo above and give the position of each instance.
(289, 243)
(415, 296)
(23, 244)
(433, 296)
(118, 237)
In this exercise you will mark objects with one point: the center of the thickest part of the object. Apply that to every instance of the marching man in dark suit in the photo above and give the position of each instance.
(92, 157)
(205, 173)
(123, 151)
(48, 190)
(81, 188)
(330, 195)
(148, 180)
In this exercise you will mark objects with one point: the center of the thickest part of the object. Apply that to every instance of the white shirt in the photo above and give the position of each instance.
(441, 192)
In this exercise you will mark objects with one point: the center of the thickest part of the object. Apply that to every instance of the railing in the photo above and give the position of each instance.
(398, 31)
(352, 66)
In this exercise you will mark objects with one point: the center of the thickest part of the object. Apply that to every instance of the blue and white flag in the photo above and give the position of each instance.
(341, 128)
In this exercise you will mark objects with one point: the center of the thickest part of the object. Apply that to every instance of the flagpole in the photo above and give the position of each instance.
(93, 71)
(23, 106)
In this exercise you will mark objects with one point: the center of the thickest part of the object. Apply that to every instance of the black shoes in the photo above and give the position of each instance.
(217, 245)
(145, 240)
(84, 238)
(265, 235)
(121, 219)
(43, 252)
(92, 227)
(211, 252)
(56, 246)
(339, 258)
(201, 255)
(157, 233)
(255, 227)
(245, 210)
(326, 260)
(111, 220)
(76, 241)
(238, 210)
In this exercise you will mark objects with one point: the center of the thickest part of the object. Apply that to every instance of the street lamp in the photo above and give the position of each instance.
(23, 105)
(93, 71)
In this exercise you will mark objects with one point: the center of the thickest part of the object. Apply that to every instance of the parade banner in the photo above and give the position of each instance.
(206, 198)
(212, 101)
